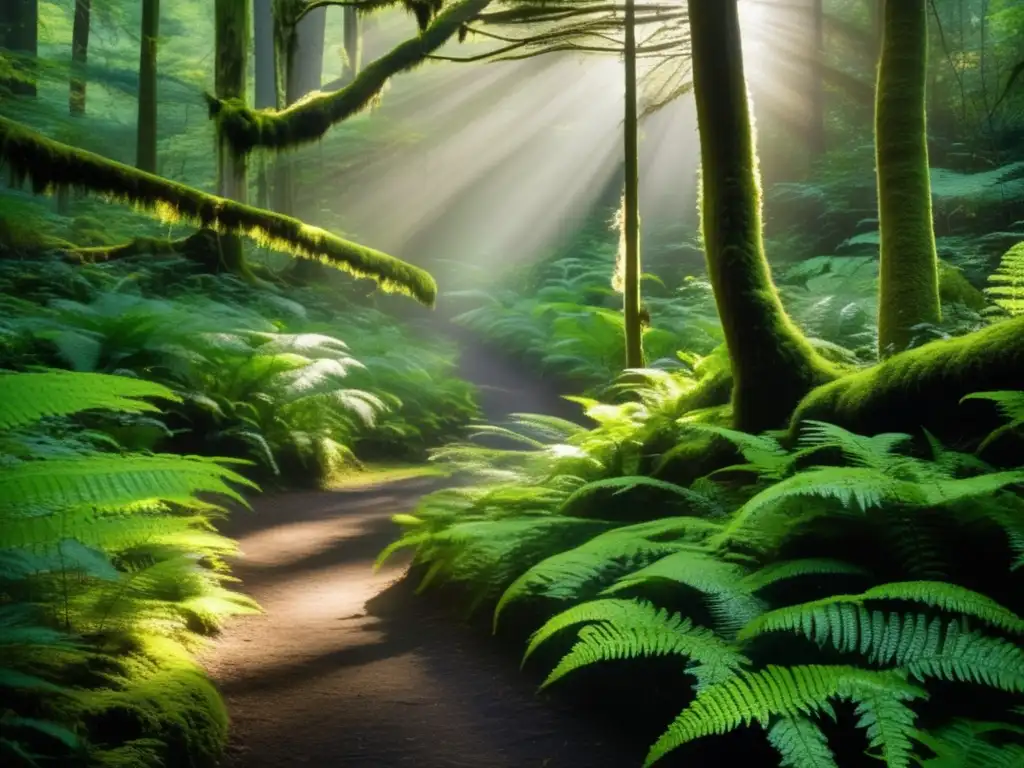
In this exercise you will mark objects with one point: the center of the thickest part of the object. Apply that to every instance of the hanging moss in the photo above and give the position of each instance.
(50, 165)
(923, 387)
(773, 364)
(311, 118)
(908, 281)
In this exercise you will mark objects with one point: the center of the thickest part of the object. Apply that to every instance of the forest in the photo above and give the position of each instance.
(512, 383)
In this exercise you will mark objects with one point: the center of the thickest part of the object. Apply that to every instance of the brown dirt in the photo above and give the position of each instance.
(348, 668)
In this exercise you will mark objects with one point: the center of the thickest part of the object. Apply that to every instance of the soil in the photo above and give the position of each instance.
(348, 667)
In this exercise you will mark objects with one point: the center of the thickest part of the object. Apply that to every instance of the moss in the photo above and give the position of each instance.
(954, 288)
(50, 165)
(309, 119)
(908, 285)
(923, 387)
(773, 364)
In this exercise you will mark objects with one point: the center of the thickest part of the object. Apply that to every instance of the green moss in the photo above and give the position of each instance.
(923, 387)
(309, 119)
(908, 284)
(773, 364)
(954, 288)
(51, 165)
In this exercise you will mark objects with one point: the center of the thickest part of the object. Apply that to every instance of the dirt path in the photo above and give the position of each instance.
(347, 668)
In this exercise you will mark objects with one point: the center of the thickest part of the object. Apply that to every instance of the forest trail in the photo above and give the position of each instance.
(349, 668)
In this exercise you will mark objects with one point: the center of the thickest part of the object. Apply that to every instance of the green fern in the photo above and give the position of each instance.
(628, 629)
(800, 743)
(27, 397)
(1007, 287)
(881, 699)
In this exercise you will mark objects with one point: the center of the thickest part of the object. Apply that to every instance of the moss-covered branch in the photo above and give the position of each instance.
(310, 119)
(50, 165)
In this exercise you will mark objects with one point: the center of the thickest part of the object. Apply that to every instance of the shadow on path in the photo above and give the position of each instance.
(348, 668)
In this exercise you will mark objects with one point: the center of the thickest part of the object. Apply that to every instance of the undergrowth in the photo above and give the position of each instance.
(840, 582)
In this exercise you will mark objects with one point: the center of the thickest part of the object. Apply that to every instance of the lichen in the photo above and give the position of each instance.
(309, 119)
(923, 387)
(50, 165)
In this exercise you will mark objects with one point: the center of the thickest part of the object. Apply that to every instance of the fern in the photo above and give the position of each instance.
(28, 397)
(800, 743)
(881, 698)
(628, 629)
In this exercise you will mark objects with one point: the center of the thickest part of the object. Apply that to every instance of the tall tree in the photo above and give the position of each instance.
(232, 43)
(19, 33)
(353, 44)
(908, 268)
(816, 133)
(773, 364)
(631, 204)
(79, 56)
(145, 151)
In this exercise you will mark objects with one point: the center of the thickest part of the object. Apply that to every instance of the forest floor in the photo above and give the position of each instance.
(349, 668)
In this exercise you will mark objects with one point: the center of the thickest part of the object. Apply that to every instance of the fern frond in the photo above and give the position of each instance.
(697, 502)
(112, 481)
(629, 629)
(877, 452)
(797, 691)
(27, 397)
(792, 569)
(800, 743)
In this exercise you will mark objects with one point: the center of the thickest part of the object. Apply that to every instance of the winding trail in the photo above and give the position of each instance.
(348, 668)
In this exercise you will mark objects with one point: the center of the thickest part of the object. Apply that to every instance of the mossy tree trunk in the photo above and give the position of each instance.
(908, 286)
(19, 33)
(79, 56)
(145, 152)
(773, 364)
(631, 204)
(232, 44)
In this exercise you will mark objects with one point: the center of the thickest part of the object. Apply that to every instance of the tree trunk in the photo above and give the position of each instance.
(266, 88)
(145, 153)
(232, 42)
(816, 128)
(303, 76)
(773, 364)
(306, 68)
(79, 56)
(353, 45)
(908, 284)
(19, 33)
(631, 205)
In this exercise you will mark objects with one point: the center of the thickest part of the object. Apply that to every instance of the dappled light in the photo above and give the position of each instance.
(511, 383)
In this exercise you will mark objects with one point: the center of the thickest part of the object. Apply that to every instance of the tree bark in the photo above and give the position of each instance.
(79, 56)
(353, 44)
(773, 364)
(232, 44)
(908, 283)
(631, 204)
(145, 153)
(266, 89)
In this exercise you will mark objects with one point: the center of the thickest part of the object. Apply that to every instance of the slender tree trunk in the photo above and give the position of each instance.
(631, 205)
(908, 270)
(266, 88)
(816, 133)
(19, 33)
(145, 153)
(79, 56)
(232, 41)
(303, 76)
(773, 364)
(353, 44)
